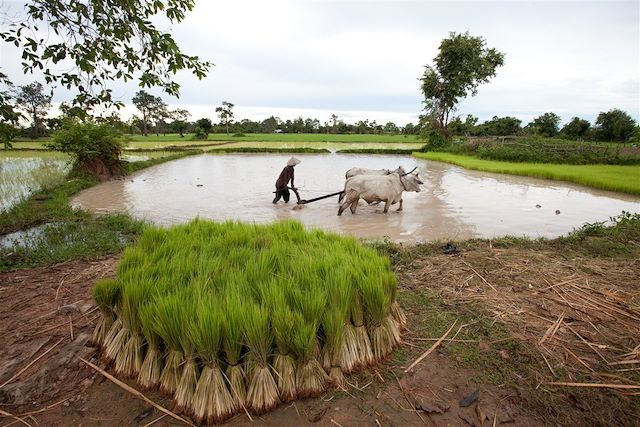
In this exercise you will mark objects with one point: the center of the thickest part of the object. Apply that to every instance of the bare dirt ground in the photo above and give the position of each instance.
(519, 319)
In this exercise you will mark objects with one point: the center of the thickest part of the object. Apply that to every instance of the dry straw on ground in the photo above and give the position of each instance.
(582, 314)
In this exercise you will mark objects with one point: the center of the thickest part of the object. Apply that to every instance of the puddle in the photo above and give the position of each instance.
(455, 203)
(23, 237)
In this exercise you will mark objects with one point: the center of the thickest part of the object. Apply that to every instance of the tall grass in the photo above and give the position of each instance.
(248, 316)
(625, 179)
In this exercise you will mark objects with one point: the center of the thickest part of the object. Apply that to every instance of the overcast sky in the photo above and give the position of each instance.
(363, 59)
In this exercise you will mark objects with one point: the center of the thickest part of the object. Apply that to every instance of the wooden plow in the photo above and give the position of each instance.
(315, 199)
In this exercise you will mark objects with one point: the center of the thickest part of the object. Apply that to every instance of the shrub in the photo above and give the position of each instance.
(435, 140)
(95, 148)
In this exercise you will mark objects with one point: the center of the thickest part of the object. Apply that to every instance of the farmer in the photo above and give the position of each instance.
(285, 176)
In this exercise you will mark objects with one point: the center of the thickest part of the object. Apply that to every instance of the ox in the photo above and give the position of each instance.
(378, 188)
(362, 171)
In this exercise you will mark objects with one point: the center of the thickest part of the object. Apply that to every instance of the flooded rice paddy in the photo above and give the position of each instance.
(24, 173)
(455, 203)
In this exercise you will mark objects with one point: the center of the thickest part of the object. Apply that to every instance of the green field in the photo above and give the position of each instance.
(332, 146)
(266, 140)
(625, 179)
(283, 137)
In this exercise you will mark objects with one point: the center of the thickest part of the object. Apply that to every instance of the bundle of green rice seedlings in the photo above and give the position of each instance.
(149, 376)
(232, 327)
(169, 325)
(376, 304)
(309, 299)
(391, 287)
(311, 379)
(262, 394)
(357, 337)
(106, 293)
(189, 378)
(129, 360)
(334, 324)
(212, 400)
(284, 322)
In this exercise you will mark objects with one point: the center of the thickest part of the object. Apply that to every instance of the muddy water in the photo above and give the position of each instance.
(455, 203)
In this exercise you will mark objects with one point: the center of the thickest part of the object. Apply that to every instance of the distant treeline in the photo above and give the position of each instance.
(155, 117)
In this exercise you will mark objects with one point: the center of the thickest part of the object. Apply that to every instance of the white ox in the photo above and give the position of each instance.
(362, 171)
(378, 188)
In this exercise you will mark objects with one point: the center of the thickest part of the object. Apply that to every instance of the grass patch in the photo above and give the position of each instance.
(308, 303)
(71, 240)
(433, 317)
(545, 150)
(624, 179)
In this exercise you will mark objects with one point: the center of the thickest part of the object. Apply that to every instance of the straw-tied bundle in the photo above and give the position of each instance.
(228, 317)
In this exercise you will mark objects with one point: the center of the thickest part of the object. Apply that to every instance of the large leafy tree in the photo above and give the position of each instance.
(85, 45)
(546, 124)
(180, 123)
(615, 125)
(462, 64)
(225, 112)
(152, 108)
(577, 128)
(32, 100)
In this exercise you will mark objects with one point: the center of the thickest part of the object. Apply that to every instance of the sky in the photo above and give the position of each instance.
(363, 59)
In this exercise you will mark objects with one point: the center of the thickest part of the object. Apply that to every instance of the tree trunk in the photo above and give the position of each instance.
(34, 133)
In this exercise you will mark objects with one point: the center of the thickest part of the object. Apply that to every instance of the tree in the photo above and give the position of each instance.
(577, 128)
(205, 125)
(546, 124)
(7, 132)
(150, 106)
(32, 100)
(615, 125)
(391, 128)
(102, 42)
(180, 118)
(69, 111)
(159, 113)
(499, 126)
(226, 114)
(270, 124)
(462, 64)
(458, 127)
(334, 123)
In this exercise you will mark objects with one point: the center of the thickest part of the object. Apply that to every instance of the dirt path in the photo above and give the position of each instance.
(50, 310)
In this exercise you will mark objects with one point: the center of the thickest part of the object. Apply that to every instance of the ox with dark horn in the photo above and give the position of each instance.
(405, 174)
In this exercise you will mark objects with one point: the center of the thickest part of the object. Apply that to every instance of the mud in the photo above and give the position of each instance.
(455, 203)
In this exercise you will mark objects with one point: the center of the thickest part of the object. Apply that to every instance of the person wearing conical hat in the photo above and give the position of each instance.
(285, 177)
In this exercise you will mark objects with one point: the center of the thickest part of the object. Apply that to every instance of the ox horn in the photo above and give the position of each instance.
(405, 174)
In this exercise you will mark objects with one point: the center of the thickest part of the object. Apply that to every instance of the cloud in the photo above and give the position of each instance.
(365, 57)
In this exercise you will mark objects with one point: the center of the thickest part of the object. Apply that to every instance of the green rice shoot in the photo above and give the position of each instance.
(231, 317)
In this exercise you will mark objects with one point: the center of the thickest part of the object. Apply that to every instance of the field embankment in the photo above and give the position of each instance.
(625, 179)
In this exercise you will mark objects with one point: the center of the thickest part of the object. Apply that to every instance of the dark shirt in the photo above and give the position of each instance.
(285, 176)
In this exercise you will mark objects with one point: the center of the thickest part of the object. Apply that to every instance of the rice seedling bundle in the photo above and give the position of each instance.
(231, 317)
